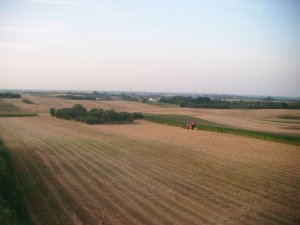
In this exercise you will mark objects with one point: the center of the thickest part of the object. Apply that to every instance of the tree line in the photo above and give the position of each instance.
(27, 101)
(206, 102)
(78, 97)
(94, 116)
(9, 95)
(86, 96)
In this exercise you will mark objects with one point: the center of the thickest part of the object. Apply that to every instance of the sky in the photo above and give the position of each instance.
(249, 47)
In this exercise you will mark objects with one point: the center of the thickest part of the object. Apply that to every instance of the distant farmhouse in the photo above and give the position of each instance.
(153, 99)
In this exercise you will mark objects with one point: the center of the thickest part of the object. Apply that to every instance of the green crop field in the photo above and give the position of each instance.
(290, 117)
(163, 105)
(18, 114)
(180, 120)
(8, 107)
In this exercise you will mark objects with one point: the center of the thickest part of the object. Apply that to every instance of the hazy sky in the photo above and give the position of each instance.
(206, 46)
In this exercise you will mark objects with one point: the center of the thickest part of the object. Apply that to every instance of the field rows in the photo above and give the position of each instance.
(73, 173)
(261, 120)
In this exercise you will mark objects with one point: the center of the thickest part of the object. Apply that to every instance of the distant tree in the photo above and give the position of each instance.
(27, 101)
(201, 100)
(95, 116)
(66, 113)
(52, 111)
(129, 97)
(78, 97)
(137, 115)
(93, 113)
(9, 95)
(79, 111)
(205, 102)
(268, 99)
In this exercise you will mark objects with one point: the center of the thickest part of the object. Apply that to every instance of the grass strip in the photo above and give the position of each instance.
(162, 104)
(181, 120)
(8, 107)
(18, 115)
(284, 121)
(290, 117)
(13, 207)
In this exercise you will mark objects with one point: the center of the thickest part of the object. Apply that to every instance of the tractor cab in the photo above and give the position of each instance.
(190, 126)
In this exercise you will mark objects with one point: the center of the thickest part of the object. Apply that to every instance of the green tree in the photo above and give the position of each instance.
(79, 111)
(52, 111)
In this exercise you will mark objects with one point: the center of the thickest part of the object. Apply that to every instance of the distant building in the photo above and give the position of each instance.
(153, 99)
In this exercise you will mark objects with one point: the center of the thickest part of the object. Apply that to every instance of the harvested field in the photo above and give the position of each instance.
(254, 120)
(146, 173)
(261, 120)
(43, 104)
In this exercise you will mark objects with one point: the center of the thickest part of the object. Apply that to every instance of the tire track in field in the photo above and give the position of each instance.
(28, 144)
(161, 170)
(73, 184)
(291, 179)
(111, 167)
(212, 142)
(251, 168)
(40, 183)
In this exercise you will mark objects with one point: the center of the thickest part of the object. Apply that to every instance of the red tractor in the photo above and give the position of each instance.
(190, 126)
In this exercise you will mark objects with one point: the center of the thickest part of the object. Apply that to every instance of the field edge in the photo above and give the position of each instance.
(180, 120)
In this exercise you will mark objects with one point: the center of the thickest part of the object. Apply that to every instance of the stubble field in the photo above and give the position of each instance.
(146, 173)
(262, 120)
